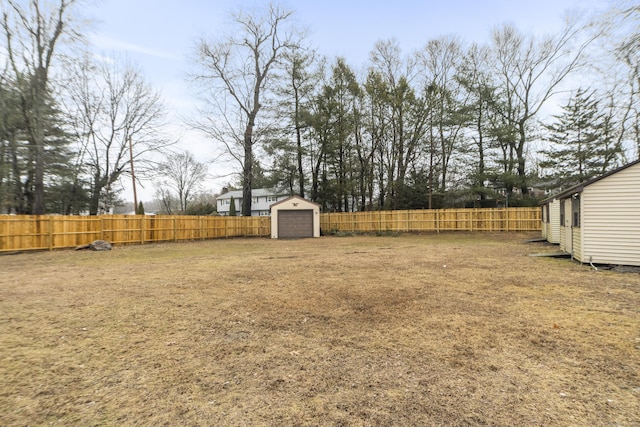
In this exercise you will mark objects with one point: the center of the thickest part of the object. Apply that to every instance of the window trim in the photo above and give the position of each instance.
(575, 211)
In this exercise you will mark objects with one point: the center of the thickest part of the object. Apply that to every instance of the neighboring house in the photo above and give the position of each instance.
(295, 217)
(261, 201)
(599, 220)
(551, 219)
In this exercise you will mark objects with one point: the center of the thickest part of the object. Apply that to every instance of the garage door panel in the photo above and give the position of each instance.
(295, 224)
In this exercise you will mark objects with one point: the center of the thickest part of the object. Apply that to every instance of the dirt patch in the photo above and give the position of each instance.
(449, 329)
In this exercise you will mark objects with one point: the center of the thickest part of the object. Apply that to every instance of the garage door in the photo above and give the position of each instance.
(295, 224)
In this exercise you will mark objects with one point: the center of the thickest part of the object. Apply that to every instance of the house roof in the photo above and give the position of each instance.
(579, 187)
(257, 192)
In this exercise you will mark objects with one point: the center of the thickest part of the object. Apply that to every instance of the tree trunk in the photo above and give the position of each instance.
(298, 143)
(522, 171)
(247, 173)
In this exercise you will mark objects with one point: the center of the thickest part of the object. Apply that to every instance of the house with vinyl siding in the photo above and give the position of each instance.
(599, 220)
(261, 201)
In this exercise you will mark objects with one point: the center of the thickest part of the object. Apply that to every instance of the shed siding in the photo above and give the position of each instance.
(553, 231)
(576, 235)
(545, 221)
(289, 207)
(611, 219)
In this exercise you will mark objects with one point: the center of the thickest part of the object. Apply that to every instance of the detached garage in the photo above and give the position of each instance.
(295, 218)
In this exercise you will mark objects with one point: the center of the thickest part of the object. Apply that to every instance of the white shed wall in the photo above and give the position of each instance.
(611, 219)
(577, 244)
(553, 227)
(295, 203)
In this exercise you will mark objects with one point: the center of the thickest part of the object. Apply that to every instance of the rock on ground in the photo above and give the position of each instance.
(96, 245)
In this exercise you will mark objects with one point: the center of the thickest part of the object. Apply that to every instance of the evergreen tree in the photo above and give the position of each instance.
(333, 121)
(289, 144)
(232, 208)
(18, 156)
(580, 147)
(31, 34)
(140, 209)
(200, 208)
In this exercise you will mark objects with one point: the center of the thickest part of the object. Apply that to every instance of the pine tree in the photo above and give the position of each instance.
(579, 149)
(140, 209)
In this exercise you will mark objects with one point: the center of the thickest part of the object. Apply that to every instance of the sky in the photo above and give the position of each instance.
(160, 36)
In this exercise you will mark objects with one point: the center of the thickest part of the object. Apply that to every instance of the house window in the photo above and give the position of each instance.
(254, 200)
(272, 198)
(545, 213)
(575, 211)
(562, 213)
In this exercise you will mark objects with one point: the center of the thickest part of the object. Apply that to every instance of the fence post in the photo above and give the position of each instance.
(507, 215)
(142, 230)
(50, 233)
(101, 228)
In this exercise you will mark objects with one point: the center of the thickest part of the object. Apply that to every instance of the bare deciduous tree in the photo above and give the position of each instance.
(236, 71)
(442, 62)
(165, 200)
(529, 71)
(183, 174)
(628, 53)
(115, 110)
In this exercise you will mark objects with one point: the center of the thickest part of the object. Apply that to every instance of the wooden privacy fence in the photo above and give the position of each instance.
(507, 219)
(26, 232)
(48, 232)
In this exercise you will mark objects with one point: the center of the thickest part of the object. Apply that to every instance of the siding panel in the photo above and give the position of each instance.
(554, 222)
(576, 234)
(611, 219)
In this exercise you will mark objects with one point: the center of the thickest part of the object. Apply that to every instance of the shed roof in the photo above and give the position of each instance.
(294, 197)
(579, 187)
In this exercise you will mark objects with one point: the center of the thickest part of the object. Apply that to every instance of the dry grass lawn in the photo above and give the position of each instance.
(352, 331)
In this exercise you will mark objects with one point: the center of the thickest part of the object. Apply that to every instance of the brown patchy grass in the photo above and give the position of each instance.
(359, 331)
